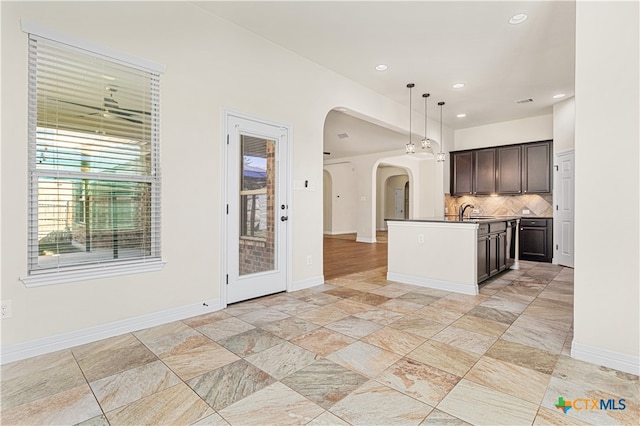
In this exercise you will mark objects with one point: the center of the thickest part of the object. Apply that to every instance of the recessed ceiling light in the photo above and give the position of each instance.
(518, 18)
(381, 67)
(461, 115)
(559, 95)
(458, 85)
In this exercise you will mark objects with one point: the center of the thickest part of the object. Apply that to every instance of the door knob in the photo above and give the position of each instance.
(284, 218)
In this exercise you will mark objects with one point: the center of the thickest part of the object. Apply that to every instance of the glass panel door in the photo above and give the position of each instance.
(257, 205)
(257, 208)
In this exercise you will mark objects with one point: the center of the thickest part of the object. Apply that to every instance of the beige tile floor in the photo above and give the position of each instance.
(357, 350)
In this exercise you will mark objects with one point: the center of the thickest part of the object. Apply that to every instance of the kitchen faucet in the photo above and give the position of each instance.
(462, 210)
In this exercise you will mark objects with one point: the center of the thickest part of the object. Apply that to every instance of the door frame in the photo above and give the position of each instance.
(285, 162)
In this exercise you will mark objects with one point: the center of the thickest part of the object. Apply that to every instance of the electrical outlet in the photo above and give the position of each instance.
(309, 260)
(525, 211)
(420, 238)
(5, 307)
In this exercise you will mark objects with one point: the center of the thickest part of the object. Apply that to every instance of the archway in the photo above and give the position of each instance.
(391, 199)
(361, 145)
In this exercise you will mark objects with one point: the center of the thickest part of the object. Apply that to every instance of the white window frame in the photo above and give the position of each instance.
(73, 273)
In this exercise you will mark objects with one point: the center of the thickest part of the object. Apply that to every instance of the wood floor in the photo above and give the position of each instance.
(344, 256)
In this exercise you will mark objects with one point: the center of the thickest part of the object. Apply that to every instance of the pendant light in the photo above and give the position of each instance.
(410, 148)
(440, 157)
(426, 142)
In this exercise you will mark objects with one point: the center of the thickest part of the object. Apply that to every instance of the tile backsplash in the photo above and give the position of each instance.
(506, 205)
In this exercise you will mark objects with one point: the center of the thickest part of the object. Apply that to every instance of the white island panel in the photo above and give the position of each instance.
(437, 255)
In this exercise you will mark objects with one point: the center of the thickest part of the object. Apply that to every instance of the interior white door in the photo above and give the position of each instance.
(257, 208)
(563, 195)
(399, 211)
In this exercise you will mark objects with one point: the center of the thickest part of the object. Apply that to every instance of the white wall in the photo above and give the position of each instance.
(559, 127)
(607, 277)
(505, 133)
(564, 131)
(210, 66)
(344, 198)
(431, 200)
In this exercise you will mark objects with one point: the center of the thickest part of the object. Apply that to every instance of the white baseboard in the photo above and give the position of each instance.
(431, 283)
(617, 361)
(366, 240)
(339, 232)
(62, 341)
(309, 282)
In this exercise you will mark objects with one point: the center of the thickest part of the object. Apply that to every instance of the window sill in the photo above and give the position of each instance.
(45, 278)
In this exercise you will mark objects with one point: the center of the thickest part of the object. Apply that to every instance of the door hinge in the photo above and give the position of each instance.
(556, 247)
(227, 279)
(227, 139)
(556, 207)
(227, 208)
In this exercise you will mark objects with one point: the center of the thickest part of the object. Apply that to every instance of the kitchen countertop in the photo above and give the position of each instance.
(454, 218)
(536, 217)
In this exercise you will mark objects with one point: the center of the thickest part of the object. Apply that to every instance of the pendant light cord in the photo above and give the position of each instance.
(410, 86)
(425, 96)
(441, 156)
(441, 135)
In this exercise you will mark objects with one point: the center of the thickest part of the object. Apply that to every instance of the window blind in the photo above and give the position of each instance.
(93, 160)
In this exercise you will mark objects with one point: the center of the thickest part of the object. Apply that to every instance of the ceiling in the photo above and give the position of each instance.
(432, 44)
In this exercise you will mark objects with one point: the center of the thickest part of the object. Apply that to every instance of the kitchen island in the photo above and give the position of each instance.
(450, 254)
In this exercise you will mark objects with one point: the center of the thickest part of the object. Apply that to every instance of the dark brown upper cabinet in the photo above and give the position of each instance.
(462, 173)
(509, 170)
(484, 171)
(536, 167)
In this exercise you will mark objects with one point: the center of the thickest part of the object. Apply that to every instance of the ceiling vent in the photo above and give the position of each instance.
(524, 101)
(343, 135)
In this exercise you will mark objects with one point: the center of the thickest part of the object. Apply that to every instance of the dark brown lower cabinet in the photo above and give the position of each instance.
(536, 239)
(483, 258)
(492, 249)
(502, 251)
(494, 266)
